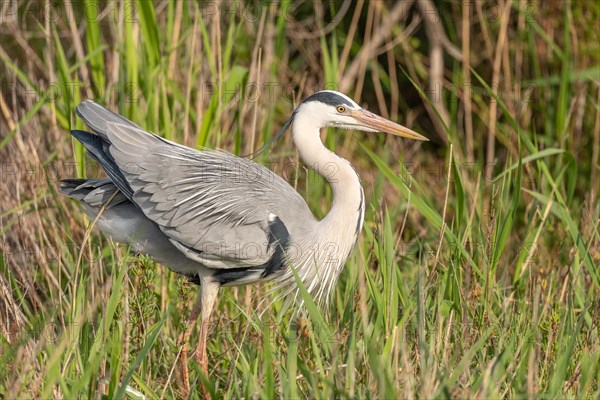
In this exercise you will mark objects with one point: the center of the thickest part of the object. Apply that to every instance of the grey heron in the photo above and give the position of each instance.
(197, 212)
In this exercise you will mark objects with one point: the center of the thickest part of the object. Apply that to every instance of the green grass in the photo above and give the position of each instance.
(460, 286)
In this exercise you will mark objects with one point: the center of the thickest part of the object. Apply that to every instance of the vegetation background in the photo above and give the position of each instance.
(477, 272)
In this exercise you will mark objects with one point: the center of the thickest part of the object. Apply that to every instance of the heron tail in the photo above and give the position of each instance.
(92, 192)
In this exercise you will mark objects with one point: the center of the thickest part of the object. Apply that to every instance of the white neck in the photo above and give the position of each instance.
(345, 217)
(334, 237)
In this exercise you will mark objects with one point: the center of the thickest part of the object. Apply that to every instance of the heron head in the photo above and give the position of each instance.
(334, 109)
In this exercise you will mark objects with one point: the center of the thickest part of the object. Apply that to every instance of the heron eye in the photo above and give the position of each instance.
(341, 109)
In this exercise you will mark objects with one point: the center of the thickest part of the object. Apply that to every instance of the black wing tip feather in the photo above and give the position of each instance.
(85, 137)
(97, 148)
(91, 142)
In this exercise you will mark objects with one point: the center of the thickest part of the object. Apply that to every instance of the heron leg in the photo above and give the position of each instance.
(208, 291)
(183, 340)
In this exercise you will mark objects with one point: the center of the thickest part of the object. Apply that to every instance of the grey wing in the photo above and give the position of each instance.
(218, 209)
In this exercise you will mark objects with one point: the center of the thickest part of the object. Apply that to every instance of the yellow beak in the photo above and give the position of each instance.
(381, 124)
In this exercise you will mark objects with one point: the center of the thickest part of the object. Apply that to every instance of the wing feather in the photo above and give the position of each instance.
(213, 206)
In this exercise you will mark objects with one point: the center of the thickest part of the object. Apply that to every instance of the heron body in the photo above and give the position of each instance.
(221, 219)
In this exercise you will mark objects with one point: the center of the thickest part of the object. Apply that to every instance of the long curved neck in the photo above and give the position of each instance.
(334, 237)
(347, 210)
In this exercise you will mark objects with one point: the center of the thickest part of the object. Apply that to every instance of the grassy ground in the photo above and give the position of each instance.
(477, 272)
